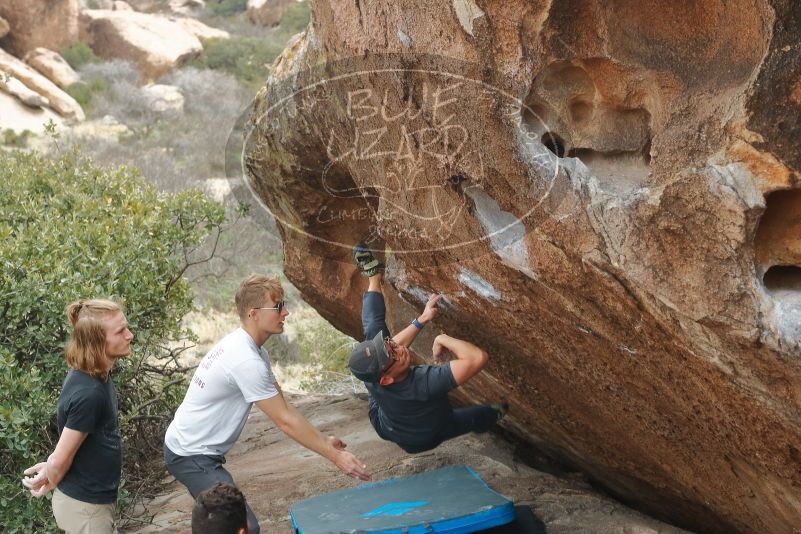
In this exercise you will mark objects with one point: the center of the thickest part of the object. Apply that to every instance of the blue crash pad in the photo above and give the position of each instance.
(450, 499)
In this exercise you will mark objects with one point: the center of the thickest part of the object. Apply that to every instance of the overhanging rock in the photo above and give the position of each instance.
(605, 192)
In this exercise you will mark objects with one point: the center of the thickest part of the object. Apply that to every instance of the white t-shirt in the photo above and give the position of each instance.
(230, 378)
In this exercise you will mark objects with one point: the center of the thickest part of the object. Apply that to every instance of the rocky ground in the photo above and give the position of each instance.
(274, 472)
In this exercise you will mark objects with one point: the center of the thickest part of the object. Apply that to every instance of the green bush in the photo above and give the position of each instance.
(226, 8)
(78, 55)
(83, 92)
(13, 139)
(26, 407)
(295, 18)
(318, 346)
(70, 230)
(245, 58)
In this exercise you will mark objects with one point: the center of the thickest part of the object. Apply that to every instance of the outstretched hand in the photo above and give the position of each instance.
(345, 461)
(432, 308)
(350, 465)
(36, 480)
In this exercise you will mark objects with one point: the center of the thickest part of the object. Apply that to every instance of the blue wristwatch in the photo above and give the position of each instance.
(417, 324)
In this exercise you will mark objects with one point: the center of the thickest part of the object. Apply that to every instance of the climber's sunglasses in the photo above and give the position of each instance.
(278, 307)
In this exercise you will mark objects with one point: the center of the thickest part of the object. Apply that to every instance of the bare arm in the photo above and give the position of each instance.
(45, 476)
(469, 358)
(292, 423)
(407, 335)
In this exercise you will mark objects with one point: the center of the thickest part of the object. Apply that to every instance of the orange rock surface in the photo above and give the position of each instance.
(605, 193)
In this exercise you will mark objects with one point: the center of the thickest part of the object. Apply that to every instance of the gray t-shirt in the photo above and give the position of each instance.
(413, 411)
(229, 379)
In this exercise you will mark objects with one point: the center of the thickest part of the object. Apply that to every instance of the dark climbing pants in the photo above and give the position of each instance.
(200, 472)
(374, 315)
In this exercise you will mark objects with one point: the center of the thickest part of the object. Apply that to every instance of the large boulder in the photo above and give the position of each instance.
(53, 66)
(60, 101)
(267, 12)
(51, 24)
(153, 42)
(607, 194)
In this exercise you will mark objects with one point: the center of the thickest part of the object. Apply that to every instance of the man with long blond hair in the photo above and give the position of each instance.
(233, 376)
(85, 467)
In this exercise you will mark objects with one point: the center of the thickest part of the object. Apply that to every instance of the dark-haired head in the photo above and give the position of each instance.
(220, 510)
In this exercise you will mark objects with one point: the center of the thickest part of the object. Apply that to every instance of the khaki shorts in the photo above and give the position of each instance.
(78, 517)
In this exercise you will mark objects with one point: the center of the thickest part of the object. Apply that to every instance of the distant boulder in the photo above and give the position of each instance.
(53, 66)
(187, 7)
(52, 24)
(30, 98)
(119, 5)
(164, 99)
(218, 189)
(267, 12)
(60, 101)
(200, 30)
(4, 27)
(155, 44)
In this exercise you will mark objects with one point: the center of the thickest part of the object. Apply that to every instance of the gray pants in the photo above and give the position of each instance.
(199, 473)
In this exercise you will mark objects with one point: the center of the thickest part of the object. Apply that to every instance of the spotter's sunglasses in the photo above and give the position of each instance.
(390, 346)
(278, 307)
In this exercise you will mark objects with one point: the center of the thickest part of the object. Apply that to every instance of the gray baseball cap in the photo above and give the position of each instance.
(369, 358)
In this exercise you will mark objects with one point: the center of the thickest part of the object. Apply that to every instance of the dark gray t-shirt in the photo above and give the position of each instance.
(88, 404)
(412, 412)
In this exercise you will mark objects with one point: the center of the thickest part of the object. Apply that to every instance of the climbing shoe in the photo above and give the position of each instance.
(365, 261)
(501, 408)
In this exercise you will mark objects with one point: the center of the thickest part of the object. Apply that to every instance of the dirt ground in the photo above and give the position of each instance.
(274, 472)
